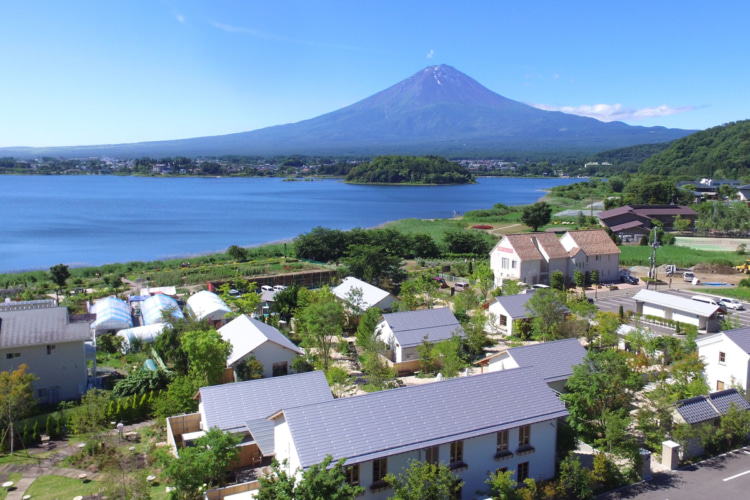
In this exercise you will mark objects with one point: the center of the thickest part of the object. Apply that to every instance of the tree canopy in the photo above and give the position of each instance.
(409, 170)
(536, 215)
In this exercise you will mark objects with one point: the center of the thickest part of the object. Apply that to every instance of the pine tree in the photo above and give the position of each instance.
(26, 436)
(622, 313)
(58, 426)
(36, 431)
(48, 427)
(143, 407)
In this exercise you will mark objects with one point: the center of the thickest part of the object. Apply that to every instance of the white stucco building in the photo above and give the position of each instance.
(404, 331)
(691, 312)
(727, 358)
(370, 295)
(552, 361)
(272, 348)
(532, 257)
(465, 423)
(42, 336)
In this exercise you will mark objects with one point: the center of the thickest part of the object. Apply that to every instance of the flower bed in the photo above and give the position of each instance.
(482, 226)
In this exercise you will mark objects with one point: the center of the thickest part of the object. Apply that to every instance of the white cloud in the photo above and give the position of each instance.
(615, 112)
(430, 53)
(268, 36)
(180, 18)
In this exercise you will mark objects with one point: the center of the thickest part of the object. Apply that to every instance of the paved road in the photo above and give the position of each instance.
(720, 478)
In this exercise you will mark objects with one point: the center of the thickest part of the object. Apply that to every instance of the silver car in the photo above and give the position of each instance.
(732, 304)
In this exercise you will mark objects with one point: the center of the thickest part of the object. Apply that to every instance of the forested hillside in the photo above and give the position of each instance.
(409, 170)
(718, 152)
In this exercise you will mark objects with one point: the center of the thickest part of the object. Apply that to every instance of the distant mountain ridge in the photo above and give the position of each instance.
(725, 148)
(438, 110)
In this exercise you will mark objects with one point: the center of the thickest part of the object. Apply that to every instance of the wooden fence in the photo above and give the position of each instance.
(221, 493)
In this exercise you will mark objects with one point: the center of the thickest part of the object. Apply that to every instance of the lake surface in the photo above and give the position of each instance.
(93, 220)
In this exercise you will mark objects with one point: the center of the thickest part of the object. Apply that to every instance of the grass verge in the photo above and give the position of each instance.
(680, 256)
(53, 487)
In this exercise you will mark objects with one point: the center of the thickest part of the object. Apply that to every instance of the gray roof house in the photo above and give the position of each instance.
(237, 407)
(403, 331)
(269, 346)
(467, 423)
(703, 315)
(706, 409)
(509, 308)
(43, 336)
(553, 361)
(727, 358)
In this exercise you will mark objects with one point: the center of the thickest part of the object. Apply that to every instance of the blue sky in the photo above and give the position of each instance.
(96, 72)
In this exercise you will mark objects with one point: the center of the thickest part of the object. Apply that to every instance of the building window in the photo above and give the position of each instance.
(719, 385)
(42, 393)
(457, 451)
(502, 440)
(352, 475)
(458, 495)
(12, 355)
(524, 435)
(514, 264)
(501, 470)
(432, 455)
(280, 369)
(722, 358)
(51, 349)
(506, 262)
(379, 469)
(522, 472)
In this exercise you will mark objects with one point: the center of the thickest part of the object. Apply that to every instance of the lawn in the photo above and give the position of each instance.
(741, 293)
(53, 487)
(13, 476)
(436, 228)
(680, 256)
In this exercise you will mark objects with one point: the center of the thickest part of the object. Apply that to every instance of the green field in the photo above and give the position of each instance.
(680, 256)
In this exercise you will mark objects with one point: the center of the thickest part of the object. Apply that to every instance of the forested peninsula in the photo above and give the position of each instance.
(413, 170)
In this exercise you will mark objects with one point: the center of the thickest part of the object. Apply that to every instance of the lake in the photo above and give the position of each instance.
(93, 220)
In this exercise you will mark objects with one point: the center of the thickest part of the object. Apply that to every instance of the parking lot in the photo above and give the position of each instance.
(611, 301)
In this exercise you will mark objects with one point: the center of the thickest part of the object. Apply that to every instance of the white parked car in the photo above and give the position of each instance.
(279, 288)
(732, 304)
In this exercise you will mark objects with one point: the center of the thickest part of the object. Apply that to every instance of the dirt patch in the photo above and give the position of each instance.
(714, 269)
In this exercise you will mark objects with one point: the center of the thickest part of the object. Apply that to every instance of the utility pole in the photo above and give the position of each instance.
(654, 246)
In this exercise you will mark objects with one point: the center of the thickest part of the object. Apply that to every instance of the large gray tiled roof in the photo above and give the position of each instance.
(741, 337)
(362, 428)
(47, 325)
(410, 327)
(515, 305)
(230, 406)
(551, 360)
(675, 302)
(704, 408)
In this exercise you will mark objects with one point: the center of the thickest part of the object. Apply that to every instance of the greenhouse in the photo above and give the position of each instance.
(111, 314)
(145, 334)
(152, 309)
(207, 305)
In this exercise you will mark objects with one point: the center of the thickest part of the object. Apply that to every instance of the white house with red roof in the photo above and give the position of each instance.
(532, 257)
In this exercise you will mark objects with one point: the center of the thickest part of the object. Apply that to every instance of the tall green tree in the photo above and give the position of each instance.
(423, 481)
(16, 397)
(237, 253)
(547, 309)
(602, 384)
(321, 325)
(59, 275)
(367, 339)
(536, 215)
(207, 353)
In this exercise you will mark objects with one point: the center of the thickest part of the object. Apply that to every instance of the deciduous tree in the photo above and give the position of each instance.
(16, 397)
(536, 215)
(207, 353)
(320, 481)
(423, 481)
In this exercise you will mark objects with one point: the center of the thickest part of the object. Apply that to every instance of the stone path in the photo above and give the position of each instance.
(47, 466)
